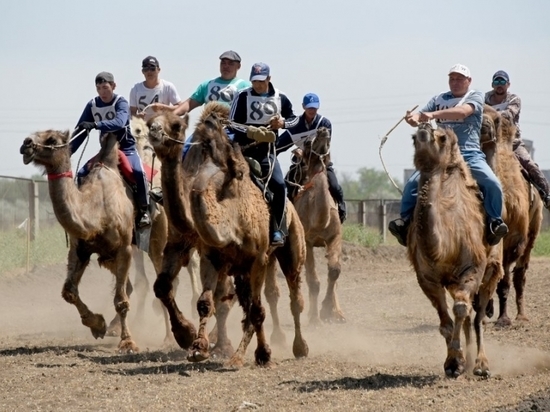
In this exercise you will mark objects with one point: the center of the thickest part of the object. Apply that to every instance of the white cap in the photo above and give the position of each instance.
(460, 69)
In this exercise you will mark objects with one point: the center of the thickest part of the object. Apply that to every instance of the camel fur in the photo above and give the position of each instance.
(322, 227)
(447, 247)
(522, 210)
(98, 218)
(226, 212)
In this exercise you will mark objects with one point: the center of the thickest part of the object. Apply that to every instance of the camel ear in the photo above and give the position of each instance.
(185, 121)
(66, 135)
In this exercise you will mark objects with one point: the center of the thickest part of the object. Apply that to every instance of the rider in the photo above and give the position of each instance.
(152, 90)
(109, 112)
(264, 105)
(460, 109)
(509, 105)
(307, 126)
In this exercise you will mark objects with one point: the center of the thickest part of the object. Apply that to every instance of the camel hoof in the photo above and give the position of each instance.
(127, 347)
(454, 367)
(112, 333)
(503, 322)
(235, 362)
(484, 373)
(522, 318)
(300, 348)
(197, 356)
(278, 338)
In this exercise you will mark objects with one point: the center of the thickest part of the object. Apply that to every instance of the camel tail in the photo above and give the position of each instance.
(108, 154)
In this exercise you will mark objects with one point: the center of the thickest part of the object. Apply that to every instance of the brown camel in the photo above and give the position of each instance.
(98, 217)
(522, 209)
(157, 241)
(231, 220)
(447, 247)
(322, 227)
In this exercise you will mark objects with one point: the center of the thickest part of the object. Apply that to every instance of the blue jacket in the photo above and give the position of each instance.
(120, 124)
(239, 114)
(296, 135)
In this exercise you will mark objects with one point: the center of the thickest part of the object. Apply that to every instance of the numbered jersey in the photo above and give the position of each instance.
(446, 101)
(165, 93)
(105, 112)
(219, 90)
(260, 109)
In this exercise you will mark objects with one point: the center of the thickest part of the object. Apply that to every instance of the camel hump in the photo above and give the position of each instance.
(108, 154)
(214, 107)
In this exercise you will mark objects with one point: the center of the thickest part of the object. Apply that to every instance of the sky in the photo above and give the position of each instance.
(369, 62)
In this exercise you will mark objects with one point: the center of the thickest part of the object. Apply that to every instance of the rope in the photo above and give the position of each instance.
(384, 139)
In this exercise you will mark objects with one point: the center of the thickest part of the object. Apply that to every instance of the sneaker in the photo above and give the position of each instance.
(277, 239)
(400, 228)
(496, 231)
(144, 220)
(546, 202)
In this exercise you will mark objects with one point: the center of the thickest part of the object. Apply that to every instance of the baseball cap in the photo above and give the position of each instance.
(104, 77)
(501, 74)
(311, 100)
(231, 55)
(150, 61)
(260, 71)
(460, 69)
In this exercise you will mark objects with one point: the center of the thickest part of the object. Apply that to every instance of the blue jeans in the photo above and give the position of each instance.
(487, 181)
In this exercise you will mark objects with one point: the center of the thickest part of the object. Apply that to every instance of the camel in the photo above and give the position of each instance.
(322, 227)
(98, 217)
(157, 241)
(522, 210)
(229, 218)
(446, 244)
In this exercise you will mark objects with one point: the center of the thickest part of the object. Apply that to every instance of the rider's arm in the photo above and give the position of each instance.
(513, 109)
(291, 119)
(86, 116)
(185, 107)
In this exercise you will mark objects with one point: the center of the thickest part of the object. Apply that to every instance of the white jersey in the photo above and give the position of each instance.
(260, 109)
(443, 101)
(106, 112)
(165, 93)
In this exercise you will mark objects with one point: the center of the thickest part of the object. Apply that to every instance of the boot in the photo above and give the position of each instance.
(342, 211)
(496, 230)
(546, 201)
(400, 228)
(277, 238)
(143, 218)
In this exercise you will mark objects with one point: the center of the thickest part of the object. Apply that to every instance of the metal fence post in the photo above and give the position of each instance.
(382, 219)
(33, 209)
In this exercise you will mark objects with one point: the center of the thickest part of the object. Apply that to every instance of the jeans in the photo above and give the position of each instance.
(487, 181)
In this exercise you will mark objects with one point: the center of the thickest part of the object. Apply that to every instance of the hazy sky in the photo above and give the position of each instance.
(369, 61)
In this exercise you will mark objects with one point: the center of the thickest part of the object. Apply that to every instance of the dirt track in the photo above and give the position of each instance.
(388, 356)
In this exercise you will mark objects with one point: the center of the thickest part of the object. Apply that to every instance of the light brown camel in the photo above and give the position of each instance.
(157, 241)
(447, 247)
(522, 209)
(231, 219)
(98, 217)
(322, 226)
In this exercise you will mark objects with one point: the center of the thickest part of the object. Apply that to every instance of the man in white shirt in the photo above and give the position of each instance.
(152, 90)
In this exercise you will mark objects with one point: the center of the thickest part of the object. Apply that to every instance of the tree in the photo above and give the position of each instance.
(370, 184)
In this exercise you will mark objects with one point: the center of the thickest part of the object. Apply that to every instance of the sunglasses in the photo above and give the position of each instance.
(499, 82)
(149, 68)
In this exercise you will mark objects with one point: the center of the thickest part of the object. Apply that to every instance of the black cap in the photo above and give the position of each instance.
(231, 55)
(104, 77)
(150, 61)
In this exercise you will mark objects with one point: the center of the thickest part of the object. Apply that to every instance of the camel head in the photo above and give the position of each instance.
(317, 147)
(139, 129)
(48, 149)
(490, 126)
(167, 135)
(434, 148)
(212, 142)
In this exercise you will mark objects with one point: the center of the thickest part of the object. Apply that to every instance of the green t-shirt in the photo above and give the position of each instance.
(220, 90)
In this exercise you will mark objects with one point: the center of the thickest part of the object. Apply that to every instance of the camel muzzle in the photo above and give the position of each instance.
(27, 150)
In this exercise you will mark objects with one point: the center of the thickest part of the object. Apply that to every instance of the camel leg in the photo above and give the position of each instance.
(159, 308)
(114, 327)
(313, 284)
(262, 354)
(173, 259)
(194, 276)
(503, 289)
(330, 309)
(205, 307)
(224, 298)
(78, 260)
(519, 273)
(121, 301)
(272, 294)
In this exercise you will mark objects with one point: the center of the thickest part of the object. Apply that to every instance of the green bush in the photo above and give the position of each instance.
(49, 248)
(361, 235)
(542, 245)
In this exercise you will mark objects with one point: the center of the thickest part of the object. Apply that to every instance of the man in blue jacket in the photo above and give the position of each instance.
(307, 126)
(264, 105)
(109, 112)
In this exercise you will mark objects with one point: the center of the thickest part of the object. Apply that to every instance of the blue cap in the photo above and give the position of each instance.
(311, 100)
(260, 71)
(501, 74)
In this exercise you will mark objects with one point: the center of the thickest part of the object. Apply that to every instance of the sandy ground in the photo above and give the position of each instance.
(388, 356)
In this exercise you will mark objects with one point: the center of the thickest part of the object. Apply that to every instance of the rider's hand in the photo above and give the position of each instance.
(298, 153)
(277, 122)
(87, 126)
(412, 119)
